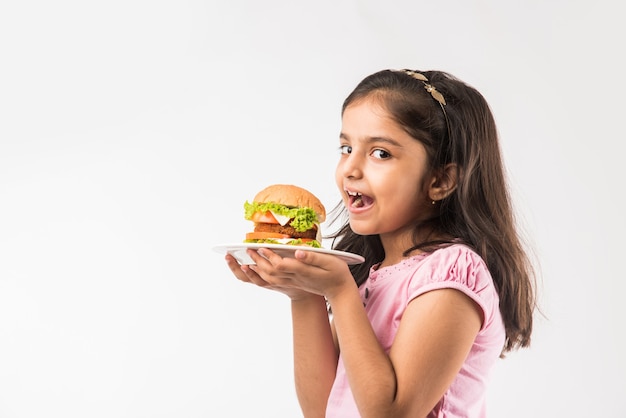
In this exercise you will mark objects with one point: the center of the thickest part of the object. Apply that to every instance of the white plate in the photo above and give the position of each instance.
(239, 251)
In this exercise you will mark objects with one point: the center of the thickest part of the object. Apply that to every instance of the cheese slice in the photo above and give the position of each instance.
(282, 220)
(283, 240)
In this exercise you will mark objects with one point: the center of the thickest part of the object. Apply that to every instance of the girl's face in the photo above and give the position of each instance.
(382, 174)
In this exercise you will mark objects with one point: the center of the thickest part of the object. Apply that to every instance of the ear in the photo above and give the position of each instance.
(444, 182)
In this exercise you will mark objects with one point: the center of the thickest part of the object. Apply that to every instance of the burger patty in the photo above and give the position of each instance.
(286, 230)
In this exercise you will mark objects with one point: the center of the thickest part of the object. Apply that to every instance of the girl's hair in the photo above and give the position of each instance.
(478, 213)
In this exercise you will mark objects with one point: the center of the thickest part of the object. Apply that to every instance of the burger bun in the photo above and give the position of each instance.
(293, 196)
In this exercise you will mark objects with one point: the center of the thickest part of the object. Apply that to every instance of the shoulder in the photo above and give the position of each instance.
(456, 267)
(458, 263)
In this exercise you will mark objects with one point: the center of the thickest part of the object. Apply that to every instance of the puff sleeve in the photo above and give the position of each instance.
(457, 267)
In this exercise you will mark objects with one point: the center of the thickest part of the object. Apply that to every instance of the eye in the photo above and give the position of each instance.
(345, 149)
(380, 154)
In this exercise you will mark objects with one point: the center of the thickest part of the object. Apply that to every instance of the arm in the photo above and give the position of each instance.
(315, 351)
(315, 355)
(434, 337)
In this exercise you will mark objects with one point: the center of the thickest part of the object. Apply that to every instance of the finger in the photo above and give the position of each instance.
(253, 275)
(235, 267)
(269, 255)
(241, 272)
(268, 263)
(313, 259)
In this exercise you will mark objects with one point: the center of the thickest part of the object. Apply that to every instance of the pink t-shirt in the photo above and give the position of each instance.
(386, 294)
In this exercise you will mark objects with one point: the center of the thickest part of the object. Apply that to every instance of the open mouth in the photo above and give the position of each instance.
(358, 200)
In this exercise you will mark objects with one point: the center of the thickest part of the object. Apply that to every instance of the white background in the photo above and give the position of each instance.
(131, 133)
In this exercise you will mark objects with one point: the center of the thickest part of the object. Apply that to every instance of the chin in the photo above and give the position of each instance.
(361, 228)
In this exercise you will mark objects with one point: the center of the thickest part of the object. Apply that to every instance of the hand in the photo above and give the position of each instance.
(305, 275)
(246, 274)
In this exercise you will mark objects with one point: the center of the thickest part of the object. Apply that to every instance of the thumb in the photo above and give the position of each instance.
(314, 259)
(301, 255)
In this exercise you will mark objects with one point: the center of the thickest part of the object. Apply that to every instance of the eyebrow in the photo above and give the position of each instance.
(374, 139)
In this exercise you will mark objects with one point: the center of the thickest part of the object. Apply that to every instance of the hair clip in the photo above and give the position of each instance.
(429, 87)
(433, 92)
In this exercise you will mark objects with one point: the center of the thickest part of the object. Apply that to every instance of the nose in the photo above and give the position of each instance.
(350, 166)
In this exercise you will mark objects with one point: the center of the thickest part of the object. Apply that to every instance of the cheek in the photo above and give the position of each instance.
(406, 193)
(339, 177)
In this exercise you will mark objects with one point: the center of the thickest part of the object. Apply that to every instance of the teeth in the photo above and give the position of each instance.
(356, 199)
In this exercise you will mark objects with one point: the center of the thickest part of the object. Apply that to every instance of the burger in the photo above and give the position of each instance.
(285, 214)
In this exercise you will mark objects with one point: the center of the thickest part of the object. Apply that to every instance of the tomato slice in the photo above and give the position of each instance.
(263, 217)
(265, 235)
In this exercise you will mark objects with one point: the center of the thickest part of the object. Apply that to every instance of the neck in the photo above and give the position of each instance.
(395, 244)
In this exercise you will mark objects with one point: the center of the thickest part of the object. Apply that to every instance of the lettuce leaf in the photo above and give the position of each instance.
(295, 241)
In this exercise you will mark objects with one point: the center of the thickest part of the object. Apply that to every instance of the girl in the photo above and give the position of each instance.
(446, 288)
